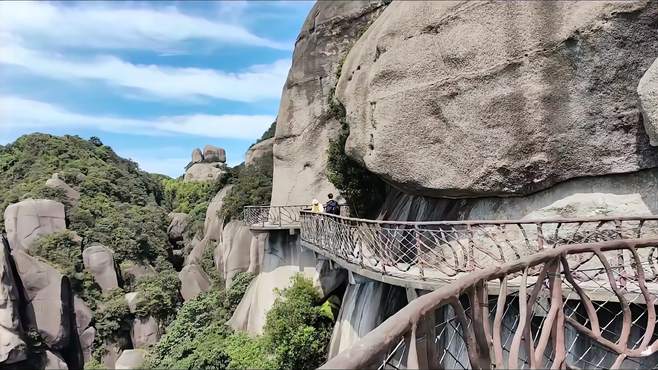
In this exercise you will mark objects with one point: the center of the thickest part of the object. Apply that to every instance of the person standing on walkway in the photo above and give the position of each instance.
(332, 206)
(316, 207)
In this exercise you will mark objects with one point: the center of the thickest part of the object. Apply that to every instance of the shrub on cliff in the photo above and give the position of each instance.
(251, 186)
(158, 295)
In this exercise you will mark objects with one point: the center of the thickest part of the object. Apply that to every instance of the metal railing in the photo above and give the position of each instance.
(442, 251)
(278, 216)
(554, 319)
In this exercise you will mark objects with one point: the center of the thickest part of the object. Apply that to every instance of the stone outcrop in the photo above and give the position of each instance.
(132, 298)
(366, 304)
(12, 347)
(83, 314)
(144, 332)
(282, 260)
(177, 226)
(212, 226)
(206, 166)
(259, 150)
(29, 219)
(647, 90)
(87, 343)
(194, 281)
(197, 156)
(538, 94)
(99, 260)
(212, 153)
(240, 250)
(131, 359)
(304, 126)
(48, 299)
(54, 362)
(72, 195)
(204, 172)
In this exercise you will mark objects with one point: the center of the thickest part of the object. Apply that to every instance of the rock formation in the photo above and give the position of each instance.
(206, 166)
(54, 362)
(144, 332)
(239, 250)
(99, 260)
(194, 281)
(259, 150)
(72, 195)
(176, 229)
(538, 94)
(29, 219)
(647, 90)
(131, 359)
(304, 126)
(12, 347)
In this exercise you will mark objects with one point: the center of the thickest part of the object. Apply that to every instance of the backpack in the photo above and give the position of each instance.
(332, 207)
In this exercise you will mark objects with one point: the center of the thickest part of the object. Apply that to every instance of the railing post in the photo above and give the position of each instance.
(279, 208)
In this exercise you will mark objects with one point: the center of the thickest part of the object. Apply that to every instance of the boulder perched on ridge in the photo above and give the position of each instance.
(197, 156)
(205, 172)
(212, 153)
(263, 149)
(72, 195)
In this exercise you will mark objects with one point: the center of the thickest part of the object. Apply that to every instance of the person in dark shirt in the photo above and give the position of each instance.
(332, 206)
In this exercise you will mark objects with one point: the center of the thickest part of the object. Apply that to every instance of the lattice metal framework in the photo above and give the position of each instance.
(444, 251)
(278, 216)
(581, 305)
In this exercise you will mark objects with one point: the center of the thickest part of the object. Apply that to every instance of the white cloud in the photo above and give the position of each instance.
(254, 83)
(116, 25)
(17, 113)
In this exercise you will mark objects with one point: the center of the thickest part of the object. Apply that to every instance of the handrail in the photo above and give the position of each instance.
(287, 216)
(432, 253)
(478, 322)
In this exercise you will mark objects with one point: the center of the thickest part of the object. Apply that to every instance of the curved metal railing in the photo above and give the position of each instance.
(556, 317)
(432, 253)
(278, 216)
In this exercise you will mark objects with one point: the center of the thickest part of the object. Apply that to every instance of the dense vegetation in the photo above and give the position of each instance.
(363, 190)
(267, 134)
(296, 333)
(252, 185)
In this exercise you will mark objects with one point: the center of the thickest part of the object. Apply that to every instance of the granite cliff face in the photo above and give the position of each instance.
(304, 128)
(499, 98)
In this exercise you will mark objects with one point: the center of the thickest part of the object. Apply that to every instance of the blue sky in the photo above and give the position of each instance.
(154, 80)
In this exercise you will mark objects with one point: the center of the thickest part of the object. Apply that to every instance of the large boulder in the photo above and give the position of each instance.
(537, 93)
(54, 362)
(72, 195)
(197, 156)
(260, 150)
(194, 281)
(12, 347)
(144, 332)
(647, 90)
(131, 359)
(48, 299)
(212, 153)
(177, 226)
(240, 250)
(29, 219)
(83, 314)
(212, 226)
(99, 260)
(304, 126)
(87, 343)
(204, 172)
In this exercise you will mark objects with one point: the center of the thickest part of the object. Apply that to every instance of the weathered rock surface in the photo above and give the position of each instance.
(197, 156)
(144, 332)
(282, 260)
(212, 153)
(204, 172)
(212, 226)
(112, 352)
(131, 271)
(132, 298)
(87, 343)
(48, 295)
(72, 195)
(304, 128)
(537, 93)
(54, 362)
(83, 314)
(260, 150)
(131, 359)
(29, 219)
(366, 304)
(179, 222)
(647, 90)
(194, 281)
(99, 260)
(12, 347)
(328, 276)
(240, 250)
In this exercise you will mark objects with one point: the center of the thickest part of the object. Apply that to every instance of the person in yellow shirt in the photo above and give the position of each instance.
(316, 207)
